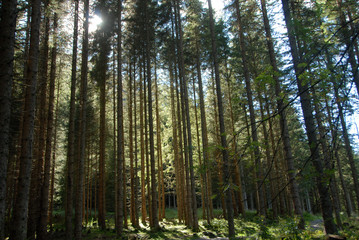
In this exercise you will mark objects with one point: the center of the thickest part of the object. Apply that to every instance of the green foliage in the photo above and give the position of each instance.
(252, 227)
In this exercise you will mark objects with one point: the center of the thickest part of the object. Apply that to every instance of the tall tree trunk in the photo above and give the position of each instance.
(204, 133)
(44, 198)
(334, 134)
(40, 129)
(54, 148)
(161, 192)
(199, 153)
(137, 224)
(283, 120)
(7, 39)
(154, 202)
(327, 157)
(101, 190)
(226, 164)
(349, 45)
(71, 132)
(130, 130)
(120, 159)
(143, 182)
(184, 90)
(251, 112)
(83, 100)
(236, 160)
(306, 105)
(20, 211)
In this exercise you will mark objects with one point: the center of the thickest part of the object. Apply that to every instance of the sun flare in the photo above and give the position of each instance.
(95, 21)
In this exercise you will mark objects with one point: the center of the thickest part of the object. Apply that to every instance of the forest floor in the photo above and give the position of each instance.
(250, 227)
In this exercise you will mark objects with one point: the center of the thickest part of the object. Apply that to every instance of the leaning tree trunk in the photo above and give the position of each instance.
(305, 101)
(19, 221)
(7, 39)
(283, 120)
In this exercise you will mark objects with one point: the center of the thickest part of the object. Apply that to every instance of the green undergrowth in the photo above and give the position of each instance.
(251, 226)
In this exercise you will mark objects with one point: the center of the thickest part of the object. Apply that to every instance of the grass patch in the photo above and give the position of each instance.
(250, 227)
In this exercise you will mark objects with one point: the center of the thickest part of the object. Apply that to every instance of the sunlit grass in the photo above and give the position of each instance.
(250, 227)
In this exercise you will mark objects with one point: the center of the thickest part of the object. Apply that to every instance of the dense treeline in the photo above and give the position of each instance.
(162, 105)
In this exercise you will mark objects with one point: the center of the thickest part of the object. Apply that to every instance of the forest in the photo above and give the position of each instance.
(171, 119)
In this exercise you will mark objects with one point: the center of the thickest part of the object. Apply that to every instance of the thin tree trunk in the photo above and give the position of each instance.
(251, 112)
(199, 154)
(7, 39)
(120, 159)
(334, 134)
(81, 161)
(184, 91)
(136, 148)
(130, 130)
(54, 148)
(226, 164)
(71, 134)
(44, 200)
(328, 159)
(349, 45)
(143, 183)
(161, 198)
(204, 134)
(283, 120)
(154, 200)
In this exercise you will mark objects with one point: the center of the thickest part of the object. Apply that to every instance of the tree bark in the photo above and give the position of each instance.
(71, 132)
(44, 200)
(120, 159)
(83, 100)
(154, 202)
(184, 94)
(283, 120)
(19, 221)
(323, 188)
(226, 164)
(7, 39)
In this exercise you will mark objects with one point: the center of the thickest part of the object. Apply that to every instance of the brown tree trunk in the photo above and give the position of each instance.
(161, 192)
(184, 95)
(251, 113)
(334, 133)
(207, 180)
(83, 100)
(283, 120)
(143, 182)
(40, 131)
(20, 210)
(350, 49)
(71, 133)
(154, 197)
(53, 163)
(120, 159)
(7, 39)
(44, 198)
(226, 164)
(130, 130)
(306, 105)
